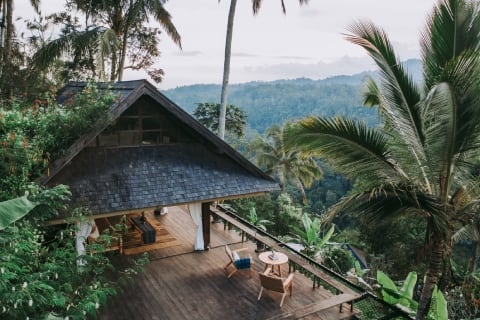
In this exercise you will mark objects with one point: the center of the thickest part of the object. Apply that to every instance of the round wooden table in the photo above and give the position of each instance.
(278, 259)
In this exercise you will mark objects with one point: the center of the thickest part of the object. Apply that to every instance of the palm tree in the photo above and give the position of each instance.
(256, 4)
(420, 162)
(286, 164)
(116, 23)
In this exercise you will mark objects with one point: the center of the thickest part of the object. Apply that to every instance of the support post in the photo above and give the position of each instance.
(206, 224)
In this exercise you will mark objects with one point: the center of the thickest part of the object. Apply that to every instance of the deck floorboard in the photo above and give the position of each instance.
(179, 283)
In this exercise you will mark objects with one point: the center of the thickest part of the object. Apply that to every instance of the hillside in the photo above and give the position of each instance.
(268, 103)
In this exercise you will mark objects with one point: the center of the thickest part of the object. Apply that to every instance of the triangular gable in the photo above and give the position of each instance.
(128, 92)
(197, 166)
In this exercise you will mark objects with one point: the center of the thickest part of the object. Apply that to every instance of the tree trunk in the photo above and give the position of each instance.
(226, 70)
(123, 53)
(434, 269)
(113, 69)
(6, 85)
(447, 272)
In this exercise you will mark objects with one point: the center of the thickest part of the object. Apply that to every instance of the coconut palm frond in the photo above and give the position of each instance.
(108, 42)
(287, 164)
(107, 45)
(163, 17)
(441, 130)
(307, 170)
(71, 43)
(399, 90)
(50, 52)
(388, 202)
(462, 74)
(256, 4)
(371, 94)
(452, 28)
(355, 150)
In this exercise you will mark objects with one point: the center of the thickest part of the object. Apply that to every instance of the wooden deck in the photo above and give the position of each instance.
(182, 284)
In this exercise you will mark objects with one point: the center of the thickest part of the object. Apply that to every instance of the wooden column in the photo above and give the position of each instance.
(206, 224)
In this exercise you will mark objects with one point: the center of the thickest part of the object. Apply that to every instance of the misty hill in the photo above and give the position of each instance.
(268, 103)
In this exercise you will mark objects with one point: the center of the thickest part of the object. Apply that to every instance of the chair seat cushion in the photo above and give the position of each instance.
(235, 256)
(242, 263)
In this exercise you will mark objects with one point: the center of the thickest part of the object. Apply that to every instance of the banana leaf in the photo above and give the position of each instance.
(389, 289)
(14, 209)
(438, 307)
(406, 291)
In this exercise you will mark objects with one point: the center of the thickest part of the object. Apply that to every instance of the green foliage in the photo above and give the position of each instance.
(272, 103)
(311, 235)
(438, 307)
(393, 295)
(208, 114)
(404, 296)
(397, 242)
(338, 259)
(419, 162)
(31, 136)
(285, 216)
(113, 33)
(256, 221)
(287, 164)
(358, 269)
(14, 209)
(40, 276)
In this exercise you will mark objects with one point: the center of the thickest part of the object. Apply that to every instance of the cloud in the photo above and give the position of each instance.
(192, 53)
(343, 66)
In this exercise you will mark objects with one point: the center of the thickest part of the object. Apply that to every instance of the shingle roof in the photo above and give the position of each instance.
(127, 178)
(139, 177)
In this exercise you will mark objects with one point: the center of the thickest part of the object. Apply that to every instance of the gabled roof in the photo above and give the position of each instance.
(108, 179)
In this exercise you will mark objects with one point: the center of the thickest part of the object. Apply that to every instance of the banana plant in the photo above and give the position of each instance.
(254, 219)
(311, 235)
(357, 274)
(394, 295)
(403, 297)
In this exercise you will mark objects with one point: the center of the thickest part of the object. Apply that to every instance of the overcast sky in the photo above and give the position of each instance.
(306, 42)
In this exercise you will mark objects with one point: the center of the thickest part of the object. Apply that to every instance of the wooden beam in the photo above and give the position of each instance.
(206, 224)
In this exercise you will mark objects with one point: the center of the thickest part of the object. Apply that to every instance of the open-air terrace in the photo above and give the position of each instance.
(180, 283)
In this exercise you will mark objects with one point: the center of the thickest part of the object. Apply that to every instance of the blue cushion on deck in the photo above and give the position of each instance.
(242, 263)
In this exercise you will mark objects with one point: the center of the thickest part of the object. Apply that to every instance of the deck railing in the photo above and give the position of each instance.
(371, 306)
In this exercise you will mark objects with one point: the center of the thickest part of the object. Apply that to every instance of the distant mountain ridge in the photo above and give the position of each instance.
(274, 102)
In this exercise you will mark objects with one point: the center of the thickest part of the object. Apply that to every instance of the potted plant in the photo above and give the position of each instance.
(260, 224)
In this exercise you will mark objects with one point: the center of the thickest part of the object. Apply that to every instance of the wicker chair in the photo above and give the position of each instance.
(274, 283)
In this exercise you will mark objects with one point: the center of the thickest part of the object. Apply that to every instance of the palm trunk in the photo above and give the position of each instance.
(434, 269)
(226, 70)
(6, 85)
(113, 69)
(123, 53)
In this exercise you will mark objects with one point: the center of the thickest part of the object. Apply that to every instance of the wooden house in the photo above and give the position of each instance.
(152, 154)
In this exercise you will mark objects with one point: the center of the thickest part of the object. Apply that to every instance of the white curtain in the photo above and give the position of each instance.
(83, 229)
(196, 213)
